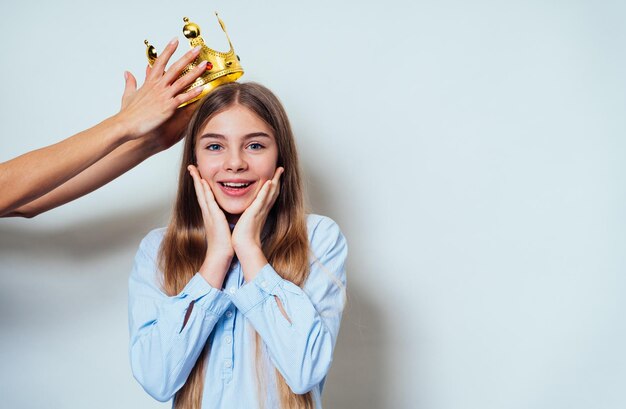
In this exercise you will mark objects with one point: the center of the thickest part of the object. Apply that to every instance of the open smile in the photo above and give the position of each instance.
(238, 188)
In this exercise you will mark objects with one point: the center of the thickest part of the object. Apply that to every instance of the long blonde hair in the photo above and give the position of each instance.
(286, 246)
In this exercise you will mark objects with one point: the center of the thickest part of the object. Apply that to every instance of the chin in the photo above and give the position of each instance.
(234, 209)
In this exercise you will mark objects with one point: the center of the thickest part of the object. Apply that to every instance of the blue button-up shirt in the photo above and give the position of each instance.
(163, 350)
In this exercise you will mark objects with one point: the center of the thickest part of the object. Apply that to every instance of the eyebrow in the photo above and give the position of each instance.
(248, 136)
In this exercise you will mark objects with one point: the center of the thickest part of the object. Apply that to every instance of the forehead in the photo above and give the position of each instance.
(236, 121)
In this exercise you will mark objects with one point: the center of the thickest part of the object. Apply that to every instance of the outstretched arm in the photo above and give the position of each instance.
(147, 123)
(116, 163)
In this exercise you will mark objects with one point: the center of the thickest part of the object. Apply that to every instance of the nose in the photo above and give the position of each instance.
(235, 161)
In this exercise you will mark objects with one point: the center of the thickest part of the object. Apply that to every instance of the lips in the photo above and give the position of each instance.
(236, 187)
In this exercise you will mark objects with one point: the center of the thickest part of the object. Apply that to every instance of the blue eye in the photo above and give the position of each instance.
(255, 146)
(213, 147)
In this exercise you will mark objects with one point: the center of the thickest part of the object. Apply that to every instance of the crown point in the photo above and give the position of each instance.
(190, 30)
(150, 51)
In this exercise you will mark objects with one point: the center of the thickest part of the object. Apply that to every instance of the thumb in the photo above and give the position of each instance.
(130, 86)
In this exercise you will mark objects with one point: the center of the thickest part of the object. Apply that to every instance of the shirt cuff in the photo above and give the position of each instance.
(205, 296)
(256, 291)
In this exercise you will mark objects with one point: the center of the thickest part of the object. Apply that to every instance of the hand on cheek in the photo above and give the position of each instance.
(219, 251)
(246, 237)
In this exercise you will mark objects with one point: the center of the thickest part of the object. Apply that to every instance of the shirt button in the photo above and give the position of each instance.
(228, 340)
(232, 290)
(229, 314)
(228, 363)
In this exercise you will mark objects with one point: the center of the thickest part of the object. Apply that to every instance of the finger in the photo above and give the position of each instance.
(129, 87)
(161, 62)
(260, 200)
(188, 96)
(193, 170)
(275, 189)
(206, 189)
(277, 174)
(199, 189)
(210, 198)
(174, 71)
(187, 79)
(148, 70)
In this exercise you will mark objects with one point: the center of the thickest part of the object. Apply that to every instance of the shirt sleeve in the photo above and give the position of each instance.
(301, 348)
(167, 334)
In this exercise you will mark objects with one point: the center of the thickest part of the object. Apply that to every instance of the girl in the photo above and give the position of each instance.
(237, 303)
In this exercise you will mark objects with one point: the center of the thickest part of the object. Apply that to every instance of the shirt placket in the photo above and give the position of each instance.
(228, 339)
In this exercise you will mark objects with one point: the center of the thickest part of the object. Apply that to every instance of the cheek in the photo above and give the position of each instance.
(207, 168)
(267, 166)
(266, 171)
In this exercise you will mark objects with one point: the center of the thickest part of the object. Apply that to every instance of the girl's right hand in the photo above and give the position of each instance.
(220, 251)
(144, 110)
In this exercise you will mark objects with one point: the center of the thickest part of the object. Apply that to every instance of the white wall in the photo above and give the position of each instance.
(473, 153)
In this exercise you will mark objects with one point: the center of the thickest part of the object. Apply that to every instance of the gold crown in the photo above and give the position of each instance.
(221, 67)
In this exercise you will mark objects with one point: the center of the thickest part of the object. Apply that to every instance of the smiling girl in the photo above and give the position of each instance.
(237, 304)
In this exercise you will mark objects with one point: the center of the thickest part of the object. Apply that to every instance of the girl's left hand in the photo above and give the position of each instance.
(246, 237)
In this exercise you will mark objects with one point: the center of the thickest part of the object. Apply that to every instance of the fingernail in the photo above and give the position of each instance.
(173, 40)
(196, 49)
(126, 75)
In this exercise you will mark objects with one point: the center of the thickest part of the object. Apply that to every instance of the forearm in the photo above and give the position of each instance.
(168, 333)
(252, 260)
(214, 269)
(35, 173)
(164, 351)
(299, 341)
(121, 160)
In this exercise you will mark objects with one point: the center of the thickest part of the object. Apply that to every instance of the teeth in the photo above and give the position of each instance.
(229, 184)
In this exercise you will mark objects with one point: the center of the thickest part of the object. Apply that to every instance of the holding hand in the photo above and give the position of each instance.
(146, 109)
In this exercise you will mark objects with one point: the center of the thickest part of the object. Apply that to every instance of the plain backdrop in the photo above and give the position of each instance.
(472, 152)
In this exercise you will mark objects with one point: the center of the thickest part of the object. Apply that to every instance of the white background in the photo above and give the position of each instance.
(472, 152)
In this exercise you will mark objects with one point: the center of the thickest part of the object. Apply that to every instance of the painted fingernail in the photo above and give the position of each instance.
(202, 64)
(174, 41)
(196, 49)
